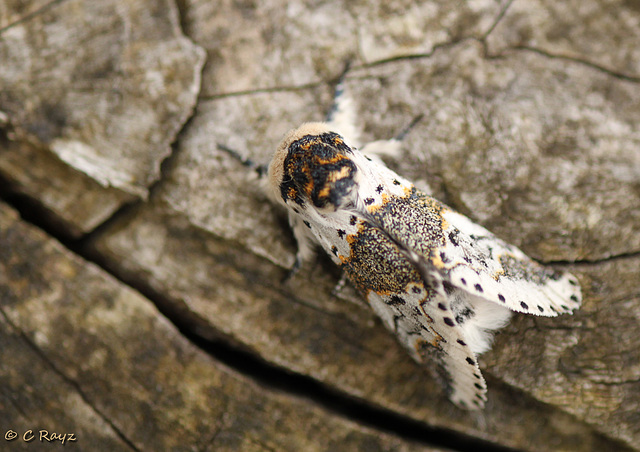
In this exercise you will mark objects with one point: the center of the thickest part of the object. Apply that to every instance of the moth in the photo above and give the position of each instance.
(440, 282)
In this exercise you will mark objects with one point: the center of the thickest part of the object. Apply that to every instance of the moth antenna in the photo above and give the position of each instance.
(338, 94)
(404, 132)
(260, 169)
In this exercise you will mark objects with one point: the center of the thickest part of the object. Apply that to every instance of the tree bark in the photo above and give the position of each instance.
(142, 294)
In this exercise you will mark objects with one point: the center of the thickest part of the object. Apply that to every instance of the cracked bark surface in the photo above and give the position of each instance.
(93, 94)
(83, 353)
(531, 127)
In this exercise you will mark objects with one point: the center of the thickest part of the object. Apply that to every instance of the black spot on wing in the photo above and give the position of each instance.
(453, 237)
(448, 288)
(395, 300)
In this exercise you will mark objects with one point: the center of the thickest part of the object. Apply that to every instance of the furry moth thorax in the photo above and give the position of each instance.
(314, 165)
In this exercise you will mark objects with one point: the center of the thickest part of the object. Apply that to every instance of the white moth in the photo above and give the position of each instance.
(440, 282)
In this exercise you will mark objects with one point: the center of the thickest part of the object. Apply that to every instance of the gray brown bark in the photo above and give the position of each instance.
(147, 311)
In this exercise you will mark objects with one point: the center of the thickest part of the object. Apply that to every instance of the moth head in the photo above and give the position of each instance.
(314, 165)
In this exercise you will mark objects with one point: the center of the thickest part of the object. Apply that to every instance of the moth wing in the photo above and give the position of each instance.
(473, 259)
(439, 240)
(427, 328)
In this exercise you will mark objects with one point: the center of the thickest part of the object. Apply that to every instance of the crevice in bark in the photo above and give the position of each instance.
(34, 211)
(596, 261)
(182, 6)
(442, 45)
(416, 56)
(31, 15)
(609, 71)
(436, 48)
(246, 362)
(497, 20)
(273, 89)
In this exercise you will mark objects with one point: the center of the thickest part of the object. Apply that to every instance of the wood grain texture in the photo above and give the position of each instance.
(531, 128)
